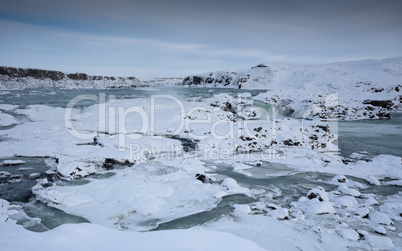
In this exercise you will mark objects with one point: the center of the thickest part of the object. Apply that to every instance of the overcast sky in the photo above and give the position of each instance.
(170, 38)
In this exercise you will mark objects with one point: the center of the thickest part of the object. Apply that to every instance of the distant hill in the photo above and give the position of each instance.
(21, 78)
(383, 73)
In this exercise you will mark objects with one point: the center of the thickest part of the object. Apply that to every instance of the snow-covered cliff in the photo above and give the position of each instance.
(20, 78)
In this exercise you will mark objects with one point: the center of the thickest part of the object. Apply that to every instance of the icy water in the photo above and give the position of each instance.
(370, 137)
(373, 137)
(61, 97)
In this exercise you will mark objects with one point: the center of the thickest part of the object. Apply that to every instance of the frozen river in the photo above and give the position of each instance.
(271, 187)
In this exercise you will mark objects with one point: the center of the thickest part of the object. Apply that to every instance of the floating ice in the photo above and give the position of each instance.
(13, 162)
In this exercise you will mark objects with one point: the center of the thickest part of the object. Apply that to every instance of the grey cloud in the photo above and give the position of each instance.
(218, 33)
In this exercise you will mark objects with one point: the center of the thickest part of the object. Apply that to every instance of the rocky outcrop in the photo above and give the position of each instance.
(78, 76)
(228, 79)
(382, 103)
(35, 73)
(20, 78)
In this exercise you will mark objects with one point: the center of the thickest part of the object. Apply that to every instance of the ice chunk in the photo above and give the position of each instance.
(229, 182)
(280, 213)
(381, 218)
(241, 209)
(13, 162)
(371, 201)
(373, 181)
(349, 234)
(380, 229)
(349, 191)
(363, 212)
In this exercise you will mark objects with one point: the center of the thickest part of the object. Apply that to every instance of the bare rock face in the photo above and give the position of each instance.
(78, 76)
(35, 73)
(194, 80)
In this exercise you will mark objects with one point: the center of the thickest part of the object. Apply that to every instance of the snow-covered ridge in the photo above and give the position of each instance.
(20, 78)
(352, 90)
(383, 73)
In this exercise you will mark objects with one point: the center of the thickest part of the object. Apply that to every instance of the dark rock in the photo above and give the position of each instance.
(35, 73)
(384, 115)
(312, 195)
(290, 142)
(197, 80)
(227, 107)
(209, 80)
(383, 103)
(227, 81)
(341, 180)
(245, 138)
(325, 128)
(110, 163)
(377, 89)
(78, 76)
(202, 178)
(259, 66)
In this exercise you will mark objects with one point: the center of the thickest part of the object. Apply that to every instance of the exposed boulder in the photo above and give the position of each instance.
(78, 76)
(383, 103)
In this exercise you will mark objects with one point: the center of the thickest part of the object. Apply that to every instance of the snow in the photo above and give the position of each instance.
(229, 182)
(318, 193)
(381, 218)
(75, 170)
(95, 237)
(13, 162)
(152, 193)
(137, 177)
(241, 209)
(7, 119)
(339, 178)
(379, 241)
(317, 207)
(349, 234)
(279, 214)
(318, 90)
(363, 211)
(380, 229)
(373, 180)
(349, 191)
